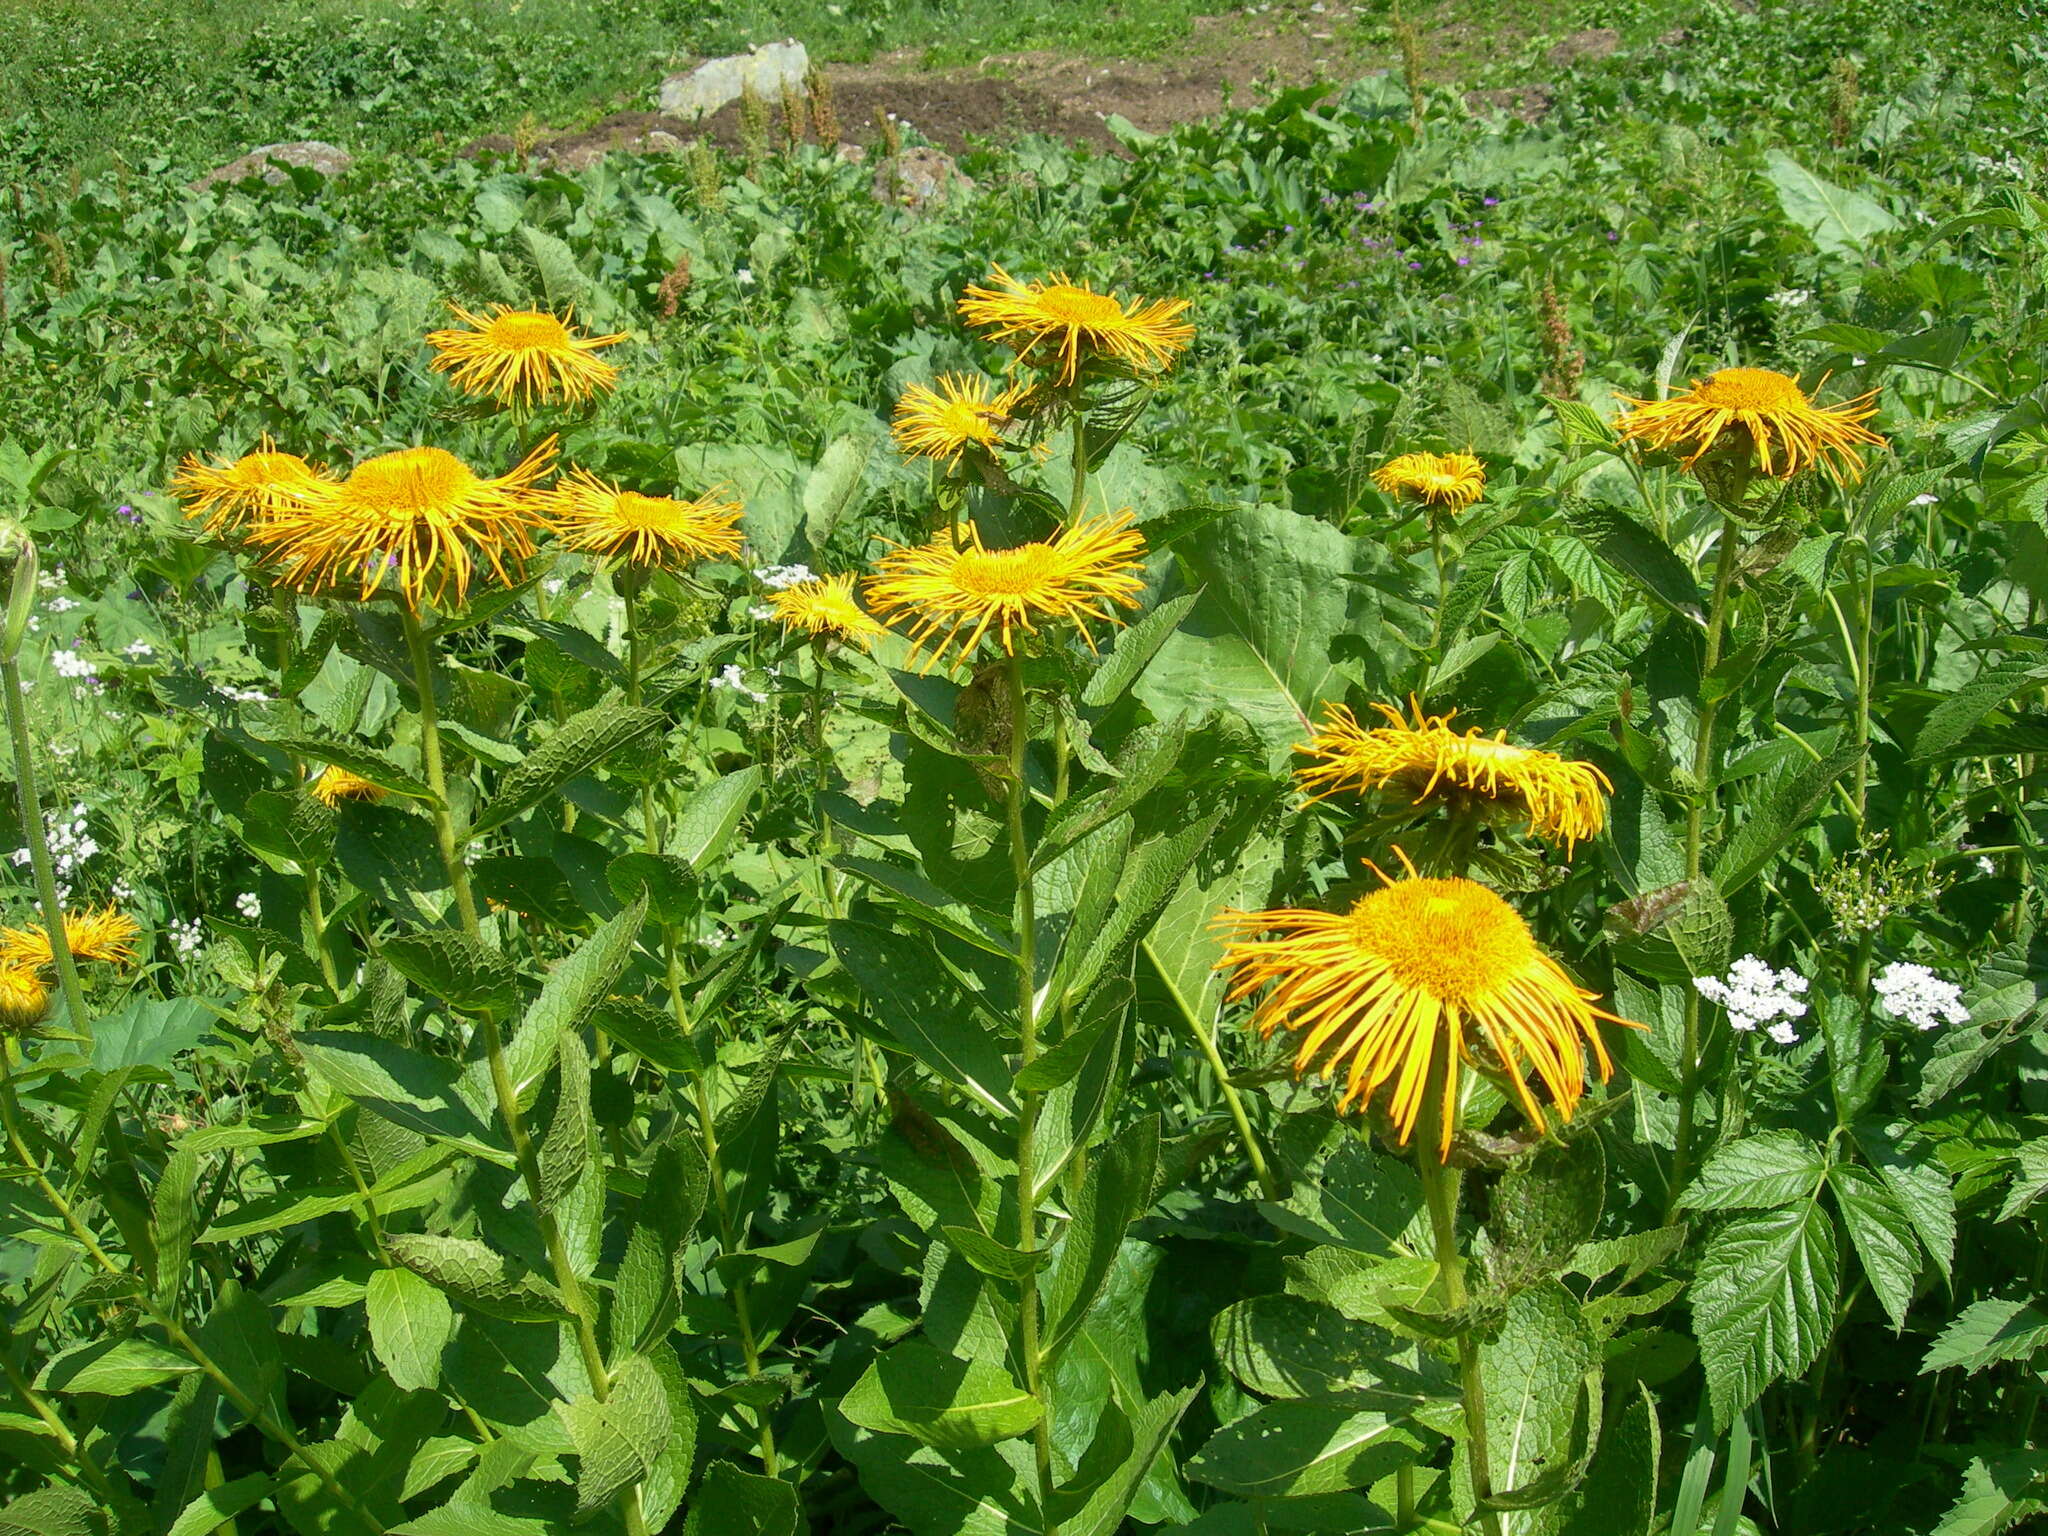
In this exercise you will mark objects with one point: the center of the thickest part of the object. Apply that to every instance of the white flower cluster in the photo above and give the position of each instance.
(735, 679)
(69, 663)
(244, 695)
(780, 578)
(60, 604)
(1791, 298)
(187, 938)
(138, 650)
(1917, 995)
(71, 845)
(250, 906)
(1755, 994)
(52, 580)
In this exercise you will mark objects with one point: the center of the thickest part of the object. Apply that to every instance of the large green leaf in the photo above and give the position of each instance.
(620, 1439)
(578, 745)
(730, 1502)
(1290, 1346)
(1758, 1172)
(939, 1399)
(115, 1367)
(1884, 1239)
(918, 1002)
(1115, 1194)
(407, 1087)
(1841, 222)
(1986, 1332)
(573, 989)
(410, 1323)
(1535, 1369)
(1763, 1302)
(1313, 1445)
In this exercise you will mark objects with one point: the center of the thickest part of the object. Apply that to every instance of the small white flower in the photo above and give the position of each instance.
(553, 586)
(1791, 298)
(1859, 361)
(780, 578)
(61, 604)
(744, 277)
(138, 650)
(1754, 994)
(1925, 499)
(249, 906)
(1986, 864)
(1917, 995)
(187, 938)
(759, 612)
(68, 663)
(1783, 1033)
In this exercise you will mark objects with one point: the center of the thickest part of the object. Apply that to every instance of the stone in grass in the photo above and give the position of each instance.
(269, 161)
(919, 178)
(715, 82)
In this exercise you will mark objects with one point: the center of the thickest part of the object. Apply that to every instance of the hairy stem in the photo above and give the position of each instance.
(1027, 1036)
(446, 836)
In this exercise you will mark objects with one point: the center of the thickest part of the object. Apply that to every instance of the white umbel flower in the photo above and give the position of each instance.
(1755, 995)
(1917, 995)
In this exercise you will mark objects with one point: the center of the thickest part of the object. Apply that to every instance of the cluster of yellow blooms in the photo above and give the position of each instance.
(26, 958)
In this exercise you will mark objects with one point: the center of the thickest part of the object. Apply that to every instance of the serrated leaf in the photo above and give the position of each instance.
(579, 744)
(1960, 712)
(1640, 555)
(492, 1283)
(364, 762)
(573, 989)
(1885, 1241)
(451, 966)
(1758, 1172)
(1986, 1332)
(939, 1399)
(1763, 1302)
(621, 1439)
(1132, 651)
(1996, 1492)
(997, 1260)
(731, 1502)
(708, 819)
(410, 1323)
(1775, 814)
(1920, 1188)
(913, 998)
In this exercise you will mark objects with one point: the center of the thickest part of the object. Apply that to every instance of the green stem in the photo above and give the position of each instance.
(1443, 582)
(707, 1128)
(1868, 619)
(446, 835)
(363, 1192)
(1701, 800)
(174, 1330)
(1027, 1052)
(316, 914)
(1205, 1037)
(1077, 507)
(73, 1448)
(33, 829)
(1440, 1190)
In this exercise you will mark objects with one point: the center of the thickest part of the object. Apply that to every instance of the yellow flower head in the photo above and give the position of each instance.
(956, 591)
(1418, 973)
(1564, 801)
(420, 514)
(596, 516)
(1060, 325)
(23, 999)
(337, 784)
(1787, 431)
(1453, 480)
(522, 355)
(825, 606)
(959, 415)
(101, 934)
(229, 496)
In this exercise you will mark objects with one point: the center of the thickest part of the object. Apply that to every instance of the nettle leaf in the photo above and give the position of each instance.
(1759, 1172)
(1775, 814)
(1986, 1332)
(579, 744)
(939, 1399)
(1885, 1240)
(410, 1323)
(1306, 1446)
(1763, 1302)
(1997, 1491)
(1640, 555)
(1540, 1212)
(1917, 1183)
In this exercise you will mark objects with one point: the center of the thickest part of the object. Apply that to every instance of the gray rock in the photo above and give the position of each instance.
(267, 162)
(919, 178)
(714, 83)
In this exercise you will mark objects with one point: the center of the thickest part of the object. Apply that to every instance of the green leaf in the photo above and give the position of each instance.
(1840, 221)
(1758, 1172)
(705, 825)
(1986, 1332)
(290, 828)
(1305, 1446)
(1290, 1346)
(455, 968)
(1535, 1370)
(357, 759)
(1542, 1211)
(573, 989)
(620, 1439)
(835, 486)
(1884, 1238)
(915, 1000)
(1133, 650)
(175, 1205)
(1996, 1492)
(647, 1294)
(1357, 1200)
(730, 1502)
(1913, 1175)
(1959, 713)
(992, 1258)
(492, 1283)
(410, 1323)
(115, 1367)
(1116, 1192)
(405, 1086)
(1640, 555)
(939, 1399)
(1619, 1495)
(1763, 1302)
(578, 745)
(218, 1506)
(1775, 815)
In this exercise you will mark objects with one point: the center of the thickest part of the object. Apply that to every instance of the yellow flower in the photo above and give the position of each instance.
(825, 606)
(596, 516)
(522, 355)
(1563, 800)
(23, 999)
(337, 784)
(1453, 480)
(250, 489)
(1059, 325)
(1406, 984)
(102, 934)
(420, 514)
(960, 414)
(955, 590)
(1787, 431)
